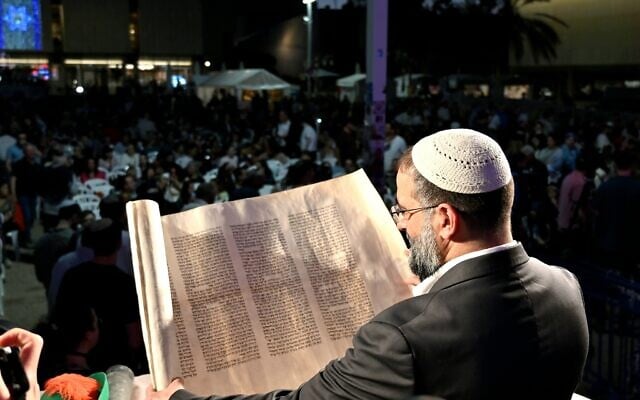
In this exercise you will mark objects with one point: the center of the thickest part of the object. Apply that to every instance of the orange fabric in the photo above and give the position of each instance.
(18, 218)
(73, 387)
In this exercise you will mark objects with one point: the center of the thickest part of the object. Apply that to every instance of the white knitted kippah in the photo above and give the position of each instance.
(462, 161)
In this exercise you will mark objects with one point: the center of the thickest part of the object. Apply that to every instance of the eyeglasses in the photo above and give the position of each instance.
(399, 214)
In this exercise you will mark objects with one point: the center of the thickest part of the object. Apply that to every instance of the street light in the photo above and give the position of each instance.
(309, 21)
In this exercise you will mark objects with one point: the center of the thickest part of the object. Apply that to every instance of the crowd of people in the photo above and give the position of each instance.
(573, 169)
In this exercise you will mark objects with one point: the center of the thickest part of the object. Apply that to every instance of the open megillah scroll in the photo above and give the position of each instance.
(259, 294)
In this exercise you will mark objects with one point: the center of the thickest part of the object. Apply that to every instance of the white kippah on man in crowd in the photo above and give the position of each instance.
(486, 322)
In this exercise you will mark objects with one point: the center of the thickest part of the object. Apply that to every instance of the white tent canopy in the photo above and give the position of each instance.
(321, 73)
(351, 80)
(239, 79)
(199, 79)
(407, 77)
(352, 86)
(246, 79)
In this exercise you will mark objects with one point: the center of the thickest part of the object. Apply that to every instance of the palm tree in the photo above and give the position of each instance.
(510, 20)
(536, 29)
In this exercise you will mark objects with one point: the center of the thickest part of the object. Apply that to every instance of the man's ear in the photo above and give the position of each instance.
(447, 221)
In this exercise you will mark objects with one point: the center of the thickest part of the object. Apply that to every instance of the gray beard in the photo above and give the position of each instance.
(425, 258)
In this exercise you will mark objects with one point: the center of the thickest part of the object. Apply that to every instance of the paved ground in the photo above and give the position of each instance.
(25, 301)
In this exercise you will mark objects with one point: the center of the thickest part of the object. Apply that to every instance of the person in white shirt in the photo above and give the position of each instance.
(282, 130)
(130, 158)
(394, 146)
(308, 140)
(604, 138)
(230, 160)
(6, 141)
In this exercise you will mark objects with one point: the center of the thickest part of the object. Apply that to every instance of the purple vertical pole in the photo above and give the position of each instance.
(376, 102)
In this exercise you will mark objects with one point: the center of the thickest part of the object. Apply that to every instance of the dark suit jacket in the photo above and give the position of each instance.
(498, 326)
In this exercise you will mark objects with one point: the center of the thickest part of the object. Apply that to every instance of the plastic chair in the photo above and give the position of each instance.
(81, 188)
(278, 170)
(117, 172)
(105, 170)
(152, 156)
(89, 202)
(274, 165)
(99, 186)
(15, 243)
(266, 189)
(211, 175)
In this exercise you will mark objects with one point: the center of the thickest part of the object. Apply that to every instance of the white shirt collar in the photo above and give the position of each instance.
(425, 286)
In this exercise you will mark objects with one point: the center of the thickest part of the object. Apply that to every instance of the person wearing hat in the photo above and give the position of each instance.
(486, 322)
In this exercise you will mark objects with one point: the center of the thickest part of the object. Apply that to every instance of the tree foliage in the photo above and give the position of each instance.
(537, 30)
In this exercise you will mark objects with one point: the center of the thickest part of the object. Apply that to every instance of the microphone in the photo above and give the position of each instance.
(120, 378)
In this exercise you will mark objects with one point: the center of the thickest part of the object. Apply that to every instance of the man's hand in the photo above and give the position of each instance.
(30, 346)
(165, 394)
